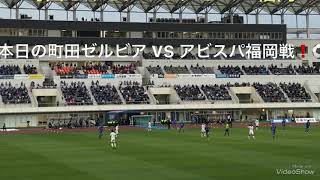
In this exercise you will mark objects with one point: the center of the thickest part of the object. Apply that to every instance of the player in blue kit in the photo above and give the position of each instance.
(273, 130)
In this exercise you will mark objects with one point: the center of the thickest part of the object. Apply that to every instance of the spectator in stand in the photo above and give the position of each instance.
(30, 69)
(216, 92)
(176, 70)
(296, 92)
(134, 93)
(201, 70)
(65, 69)
(256, 70)
(14, 95)
(9, 70)
(189, 93)
(105, 94)
(307, 70)
(230, 70)
(75, 93)
(270, 92)
(274, 69)
(155, 70)
(46, 84)
(108, 68)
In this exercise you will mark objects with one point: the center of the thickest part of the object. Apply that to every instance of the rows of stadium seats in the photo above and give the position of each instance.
(189, 92)
(107, 68)
(296, 92)
(155, 70)
(270, 92)
(237, 70)
(134, 93)
(65, 69)
(216, 92)
(201, 69)
(75, 93)
(105, 94)
(93, 68)
(176, 70)
(46, 84)
(9, 70)
(14, 94)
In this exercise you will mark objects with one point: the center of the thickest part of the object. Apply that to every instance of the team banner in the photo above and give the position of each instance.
(36, 76)
(304, 120)
(108, 76)
(21, 76)
(81, 76)
(94, 76)
(221, 76)
(170, 76)
(6, 77)
(287, 120)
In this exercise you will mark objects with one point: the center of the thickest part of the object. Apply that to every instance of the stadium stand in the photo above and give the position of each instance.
(189, 93)
(296, 92)
(75, 93)
(14, 94)
(270, 92)
(230, 70)
(274, 69)
(201, 69)
(134, 93)
(105, 94)
(216, 92)
(176, 70)
(9, 70)
(307, 70)
(255, 70)
(30, 69)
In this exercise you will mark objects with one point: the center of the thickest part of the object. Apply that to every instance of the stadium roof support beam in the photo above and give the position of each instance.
(205, 5)
(179, 5)
(308, 25)
(153, 5)
(18, 4)
(281, 5)
(68, 4)
(309, 5)
(10, 3)
(230, 5)
(253, 7)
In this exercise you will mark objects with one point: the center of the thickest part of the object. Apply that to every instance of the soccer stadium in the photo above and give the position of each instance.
(159, 89)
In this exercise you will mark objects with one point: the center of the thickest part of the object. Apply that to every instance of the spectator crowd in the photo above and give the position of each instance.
(14, 95)
(75, 93)
(189, 92)
(105, 94)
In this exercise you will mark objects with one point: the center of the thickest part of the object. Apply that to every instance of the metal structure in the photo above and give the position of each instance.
(174, 6)
(197, 7)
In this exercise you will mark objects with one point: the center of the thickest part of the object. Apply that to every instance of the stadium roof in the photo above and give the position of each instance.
(174, 6)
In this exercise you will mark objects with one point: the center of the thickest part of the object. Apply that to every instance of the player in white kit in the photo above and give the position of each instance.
(251, 131)
(113, 137)
(117, 130)
(203, 130)
(257, 124)
(149, 126)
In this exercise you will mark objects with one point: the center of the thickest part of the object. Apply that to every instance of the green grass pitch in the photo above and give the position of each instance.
(159, 155)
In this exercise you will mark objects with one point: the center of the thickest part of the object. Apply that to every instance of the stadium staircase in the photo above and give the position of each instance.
(60, 98)
(92, 97)
(234, 97)
(285, 94)
(207, 101)
(151, 97)
(34, 102)
(45, 68)
(1, 102)
(314, 98)
(256, 96)
(120, 94)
